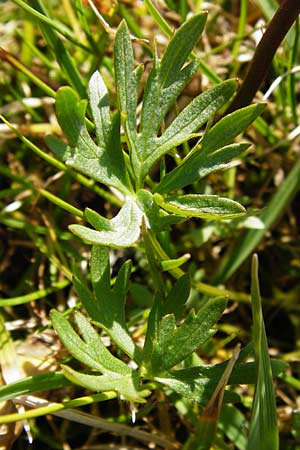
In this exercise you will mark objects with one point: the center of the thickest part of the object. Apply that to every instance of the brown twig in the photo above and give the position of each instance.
(280, 24)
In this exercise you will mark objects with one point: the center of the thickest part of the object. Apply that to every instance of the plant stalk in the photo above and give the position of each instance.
(280, 24)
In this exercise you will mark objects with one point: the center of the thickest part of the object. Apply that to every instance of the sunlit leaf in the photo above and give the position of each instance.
(89, 349)
(127, 79)
(103, 162)
(121, 231)
(199, 165)
(188, 122)
(199, 383)
(126, 385)
(157, 218)
(201, 206)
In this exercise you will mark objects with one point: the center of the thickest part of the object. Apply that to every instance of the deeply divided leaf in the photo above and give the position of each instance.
(113, 374)
(168, 78)
(106, 304)
(157, 218)
(125, 385)
(188, 121)
(127, 80)
(89, 349)
(230, 126)
(172, 344)
(214, 153)
(121, 231)
(199, 383)
(103, 162)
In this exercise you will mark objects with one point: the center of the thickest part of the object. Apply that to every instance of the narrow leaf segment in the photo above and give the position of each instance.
(263, 428)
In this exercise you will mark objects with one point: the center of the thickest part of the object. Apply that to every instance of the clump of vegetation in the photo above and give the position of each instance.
(130, 329)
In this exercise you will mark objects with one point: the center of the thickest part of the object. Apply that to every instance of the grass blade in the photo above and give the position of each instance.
(209, 418)
(58, 26)
(263, 426)
(54, 408)
(34, 383)
(37, 295)
(62, 56)
(66, 411)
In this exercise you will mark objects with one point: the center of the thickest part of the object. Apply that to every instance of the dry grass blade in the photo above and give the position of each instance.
(210, 416)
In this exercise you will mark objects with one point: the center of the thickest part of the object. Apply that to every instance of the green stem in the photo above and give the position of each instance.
(14, 62)
(163, 25)
(64, 31)
(241, 28)
(61, 203)
(42, 293)
(150, 252)
(201, 287)
(52, 408)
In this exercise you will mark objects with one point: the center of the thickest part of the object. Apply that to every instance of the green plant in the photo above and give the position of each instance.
(172, 336)
(154, 169)
(106, 162)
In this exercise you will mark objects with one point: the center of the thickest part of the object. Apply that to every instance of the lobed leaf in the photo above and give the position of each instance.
(195, 114)
(180, 47)
(100, 271)
(126, 385)
(99, 103)
(172, 344)
(188, 121)
(106, 305)
(103, 162)
(121, 231)
(125, 77)
(177, 297)
(230, 126)
(215, 153)
(157, 101)
(153, 322)
(167, 78)
(157, 218)
(199, 383)
(89, 349)
(107, 129)
(127, 80)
